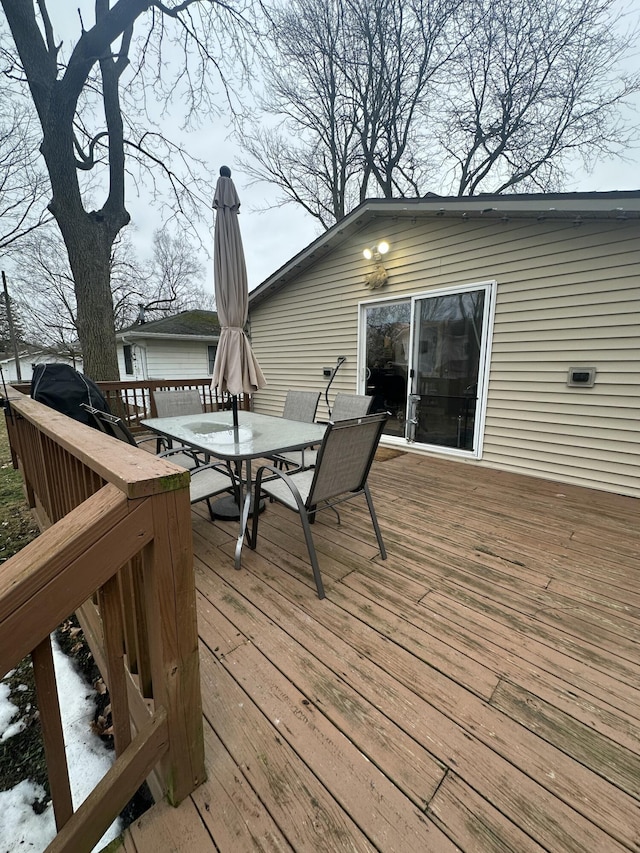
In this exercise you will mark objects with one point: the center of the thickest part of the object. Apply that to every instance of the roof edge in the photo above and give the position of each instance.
(617, 204)
(134, 334)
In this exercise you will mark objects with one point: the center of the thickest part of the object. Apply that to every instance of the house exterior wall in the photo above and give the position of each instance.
(567, 295)
(166, 359)
(27, 364)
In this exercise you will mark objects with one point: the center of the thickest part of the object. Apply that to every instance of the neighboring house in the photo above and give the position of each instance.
(29, 357)
(500, 330)
(179, 347)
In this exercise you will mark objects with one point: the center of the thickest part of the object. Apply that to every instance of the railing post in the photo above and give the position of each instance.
(169, 585)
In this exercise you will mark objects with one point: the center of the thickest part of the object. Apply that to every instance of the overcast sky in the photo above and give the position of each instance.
(272, 238)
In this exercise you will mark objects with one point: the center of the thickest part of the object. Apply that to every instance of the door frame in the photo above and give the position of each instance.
(490, 287)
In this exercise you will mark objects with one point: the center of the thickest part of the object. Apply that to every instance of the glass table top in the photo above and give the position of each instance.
(256, 435)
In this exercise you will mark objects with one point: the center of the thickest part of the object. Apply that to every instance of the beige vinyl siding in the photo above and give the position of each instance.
(567, 295)
(586, 436)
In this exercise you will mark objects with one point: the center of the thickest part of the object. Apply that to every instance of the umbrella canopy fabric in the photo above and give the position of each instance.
(236, 369)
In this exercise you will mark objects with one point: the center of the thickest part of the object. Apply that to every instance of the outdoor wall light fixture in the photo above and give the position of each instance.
(375, 253)
(379, 276)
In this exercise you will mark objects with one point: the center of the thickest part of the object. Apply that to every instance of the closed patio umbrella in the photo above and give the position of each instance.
(236, 369)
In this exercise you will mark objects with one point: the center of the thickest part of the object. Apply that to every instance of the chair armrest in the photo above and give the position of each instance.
(185, 451)
(160, 441)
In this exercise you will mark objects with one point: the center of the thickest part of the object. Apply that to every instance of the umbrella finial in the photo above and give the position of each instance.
(225, 172)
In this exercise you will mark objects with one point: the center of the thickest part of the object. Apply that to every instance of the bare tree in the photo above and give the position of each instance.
(176, 276)
(531, 84)
(23, 183)
(402, 47)
(167, 282)
(399, 97)
(106, 64)
(312, 156)
(344, 81)
(46, 293)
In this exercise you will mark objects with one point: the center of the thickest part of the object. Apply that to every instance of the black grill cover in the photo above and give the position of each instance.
(63, 389)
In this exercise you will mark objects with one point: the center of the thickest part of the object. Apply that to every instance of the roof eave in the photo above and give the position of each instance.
(129, 335)
(606, 205)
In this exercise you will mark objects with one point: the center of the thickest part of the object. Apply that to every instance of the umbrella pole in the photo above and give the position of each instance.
(227, 508)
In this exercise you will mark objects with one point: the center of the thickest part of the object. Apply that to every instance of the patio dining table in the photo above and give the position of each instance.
(256, 436)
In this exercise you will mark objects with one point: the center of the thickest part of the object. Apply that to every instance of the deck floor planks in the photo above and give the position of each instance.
(559, 526)
(576, 671)
(230, 808)
(166, 828)
(306, 812)
(525, 597)
(615, 763)
(537, 566)
(570, 783)
(415, 770)
(498, 642)
(473, 823)
(458, 629)
(370, 798)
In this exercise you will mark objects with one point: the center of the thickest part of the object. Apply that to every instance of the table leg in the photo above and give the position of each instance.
(245, 507)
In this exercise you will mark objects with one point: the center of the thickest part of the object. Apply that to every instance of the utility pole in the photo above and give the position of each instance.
(12, 333)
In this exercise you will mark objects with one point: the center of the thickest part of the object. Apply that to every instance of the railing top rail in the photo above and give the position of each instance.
(123, 384)
(36, 571)
(135, 472)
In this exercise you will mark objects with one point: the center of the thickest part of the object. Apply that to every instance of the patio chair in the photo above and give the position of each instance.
(301, 406)
(341, 471)
(345, 406)
(116, 427)
(178, 401)
(298, 406)
(207, 481)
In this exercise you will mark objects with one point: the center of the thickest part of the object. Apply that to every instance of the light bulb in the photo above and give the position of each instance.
(368, 254)
(383, 247)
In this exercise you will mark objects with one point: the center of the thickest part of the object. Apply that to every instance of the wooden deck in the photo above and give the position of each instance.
(479, 690)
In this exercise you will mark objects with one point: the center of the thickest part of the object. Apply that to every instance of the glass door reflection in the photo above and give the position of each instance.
(387, 346)
(446, 354)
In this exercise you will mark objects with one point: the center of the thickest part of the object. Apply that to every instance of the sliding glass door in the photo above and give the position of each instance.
(426, 363)
(387, 332)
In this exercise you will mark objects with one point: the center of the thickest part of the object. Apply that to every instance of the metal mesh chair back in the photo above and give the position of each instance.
(347, 406)
(301, 406)
(177, 402)
(116, 428)
(93, 414)
(345, 457)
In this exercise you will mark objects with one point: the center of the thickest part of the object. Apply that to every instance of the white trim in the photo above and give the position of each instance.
(485, 364)
(141, 336)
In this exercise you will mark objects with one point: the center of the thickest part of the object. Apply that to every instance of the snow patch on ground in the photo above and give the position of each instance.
(8, 727)
(21, 829)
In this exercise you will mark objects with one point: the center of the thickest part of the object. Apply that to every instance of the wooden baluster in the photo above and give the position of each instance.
(49, 709)
(110, 609)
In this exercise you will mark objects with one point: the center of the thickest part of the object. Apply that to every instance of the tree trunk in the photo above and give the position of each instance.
(88, 243)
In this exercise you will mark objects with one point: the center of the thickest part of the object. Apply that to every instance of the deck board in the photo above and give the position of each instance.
(479, 690)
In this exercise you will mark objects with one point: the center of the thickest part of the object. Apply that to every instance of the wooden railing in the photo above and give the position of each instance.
(133, 401)
(116, 550)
